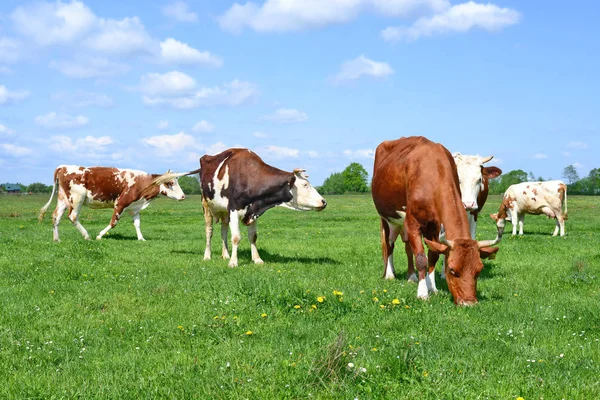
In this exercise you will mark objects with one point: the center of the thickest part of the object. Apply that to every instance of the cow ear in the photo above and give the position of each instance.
(488, 252)
(494, 216)
(492, 172)
(436, 247)
(291, 180)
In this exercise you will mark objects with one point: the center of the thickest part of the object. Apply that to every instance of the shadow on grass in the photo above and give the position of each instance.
(245, 256)
(118, 236)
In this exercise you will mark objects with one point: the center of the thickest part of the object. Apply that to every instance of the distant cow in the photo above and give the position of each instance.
(416, 192)
(548, 198)
(105, 187)
(474, 178)
(238, 186)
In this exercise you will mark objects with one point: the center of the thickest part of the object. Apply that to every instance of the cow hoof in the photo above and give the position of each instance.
(206, 258)
(98, 237)
(413, 278)
(423, 297)
(232, 264)
(259, 262)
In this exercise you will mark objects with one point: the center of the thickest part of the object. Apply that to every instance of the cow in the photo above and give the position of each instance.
(107, 187)
(473, 179)
(549, 198)
(238, 186)
(417, 195)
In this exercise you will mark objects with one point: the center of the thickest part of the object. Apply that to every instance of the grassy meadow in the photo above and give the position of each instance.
(119, 318)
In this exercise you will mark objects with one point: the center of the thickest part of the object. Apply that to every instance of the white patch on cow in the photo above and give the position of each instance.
(220, 204)
(398, 222)
(389, 268)
(470, 178)
(422, 291)
(430, 281)
(305, 197)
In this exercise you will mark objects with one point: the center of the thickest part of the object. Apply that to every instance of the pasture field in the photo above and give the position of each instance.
(119, 318)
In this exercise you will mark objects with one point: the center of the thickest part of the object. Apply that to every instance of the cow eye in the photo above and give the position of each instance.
(453, 272)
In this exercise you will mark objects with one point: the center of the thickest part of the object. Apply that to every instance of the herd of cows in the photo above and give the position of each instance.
(421, 192)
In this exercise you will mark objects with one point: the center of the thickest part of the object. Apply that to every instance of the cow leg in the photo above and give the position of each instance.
(472, 224)
(136, 224)
(388, 238)
(521, 221)
(514, 220)
(252, 236)
(560, 223)
(224, 232)
(61, 206)
(208, 226)
(432, 259)
(410, 258)
(113, 222)
(236, 236)
(74, 217)
(416, 245)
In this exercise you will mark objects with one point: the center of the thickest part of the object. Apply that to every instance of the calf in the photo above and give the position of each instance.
(238, 186)
(416, 192)
(548, 198)
(105, 187)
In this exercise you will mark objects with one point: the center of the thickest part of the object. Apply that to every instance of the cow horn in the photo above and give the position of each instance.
(442, 237)
(489, 243)
(299, 170)
(486, 159)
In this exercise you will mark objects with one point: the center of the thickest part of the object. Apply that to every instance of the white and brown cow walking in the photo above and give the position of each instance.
(548, 198)
(106, 187)
(237, 186)
(416, 192)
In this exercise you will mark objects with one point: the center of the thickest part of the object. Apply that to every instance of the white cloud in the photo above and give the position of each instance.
(362, 66)
(166, 145)
(361, 153)
(181, 95)
(216, 148)
(566, 153)
(176, 52)
(53, 120)
(15, 150)
(578, 165)
(289, 15)
(125, 37)
(161, 125)
(8, 97)
(280, 152)
(260, 135)
(54, 23)
(5, 70)
(179, 11)
(82, 99)
(89, 143)
(540, 156)
(287, 115)
(92, 67)
(9, 50)
(203, 127)
(313, 154)
(6, 131)
(167, 84)
(577, 145)
(458, 18)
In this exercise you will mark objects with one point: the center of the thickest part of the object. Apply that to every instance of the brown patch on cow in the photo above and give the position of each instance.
(533, 198)
(524, 192)
(535, 191)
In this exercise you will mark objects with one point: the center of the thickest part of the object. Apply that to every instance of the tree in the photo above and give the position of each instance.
(501, 183)
(355, 178)
(333, 185)
(189, 184)
(570, 174)
(38, 187)
(594, 179)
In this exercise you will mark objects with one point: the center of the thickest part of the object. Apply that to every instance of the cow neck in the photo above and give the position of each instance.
(455, 220)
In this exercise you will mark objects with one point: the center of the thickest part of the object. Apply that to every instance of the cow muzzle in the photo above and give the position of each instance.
(470, 206)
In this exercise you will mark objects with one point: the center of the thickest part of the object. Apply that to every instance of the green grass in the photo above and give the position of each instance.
(119, 318)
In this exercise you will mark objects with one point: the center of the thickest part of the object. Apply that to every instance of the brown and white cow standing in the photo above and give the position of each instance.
(549, 198)
(106, 187)
(238, 186)
(473, 179)
(416, 192)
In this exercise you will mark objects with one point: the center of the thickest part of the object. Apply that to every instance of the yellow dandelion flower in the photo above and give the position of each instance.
(297, 306)
(249, 333)
(337, 293)
(375, 299)
(321, 299)
(381, 306)
(374, 349)
(263, 315)
(417, 343)
(395, 301)
(341, 299)
(361, 292)
(520, 398)
(314, 306)
(407, 306)
(216, 317)
(384, 290)
(180, 327)
(425, 373)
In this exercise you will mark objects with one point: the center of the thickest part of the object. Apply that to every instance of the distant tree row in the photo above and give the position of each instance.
(354, 179)
(589, 185)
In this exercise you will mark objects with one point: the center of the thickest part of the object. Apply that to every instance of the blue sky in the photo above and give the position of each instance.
(305, 83)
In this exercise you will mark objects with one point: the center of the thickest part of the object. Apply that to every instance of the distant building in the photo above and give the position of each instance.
(11, 188)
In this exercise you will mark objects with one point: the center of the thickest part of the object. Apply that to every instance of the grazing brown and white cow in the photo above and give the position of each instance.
(238, 186)
(549, 198)
(106, 187)
(473, 179)
(416, 192)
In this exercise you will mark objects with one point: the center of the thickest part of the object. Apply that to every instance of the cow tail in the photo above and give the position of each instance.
(565, 213)
(45, 208)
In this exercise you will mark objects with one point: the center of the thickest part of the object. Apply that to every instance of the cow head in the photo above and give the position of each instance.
(304, 196)
(168, 185)
(463, 264)
(472, 176)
